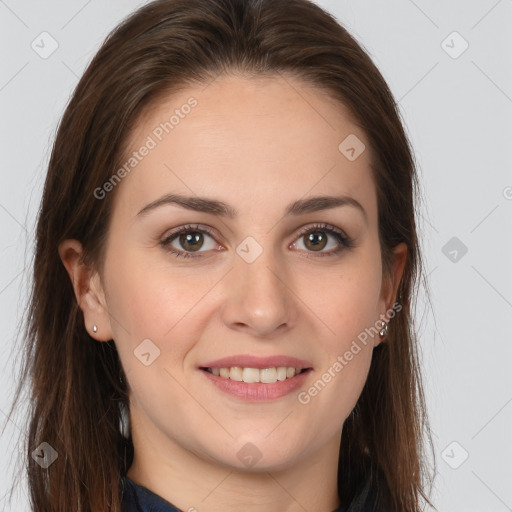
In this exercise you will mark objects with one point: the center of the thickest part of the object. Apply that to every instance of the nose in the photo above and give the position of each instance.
(258, 296)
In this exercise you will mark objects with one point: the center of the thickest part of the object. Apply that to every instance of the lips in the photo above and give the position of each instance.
(257, 378)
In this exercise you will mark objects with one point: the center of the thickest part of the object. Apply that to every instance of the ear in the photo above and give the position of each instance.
(88, 290)
(391, 281)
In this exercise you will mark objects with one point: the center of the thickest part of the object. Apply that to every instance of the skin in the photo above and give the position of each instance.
(258, 145)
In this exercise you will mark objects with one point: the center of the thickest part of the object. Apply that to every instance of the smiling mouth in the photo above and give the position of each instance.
(255, 375)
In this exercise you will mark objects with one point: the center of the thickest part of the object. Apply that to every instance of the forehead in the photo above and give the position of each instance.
(249, 140)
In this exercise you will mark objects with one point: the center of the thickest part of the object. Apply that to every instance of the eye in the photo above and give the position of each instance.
(190, 238)
(315, 238)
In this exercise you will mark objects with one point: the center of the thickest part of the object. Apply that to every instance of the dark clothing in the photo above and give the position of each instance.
(139, 499)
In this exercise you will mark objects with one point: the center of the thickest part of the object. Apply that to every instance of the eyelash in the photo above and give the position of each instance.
(344, 240)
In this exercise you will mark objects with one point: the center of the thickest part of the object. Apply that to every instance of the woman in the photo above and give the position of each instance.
(225, 265)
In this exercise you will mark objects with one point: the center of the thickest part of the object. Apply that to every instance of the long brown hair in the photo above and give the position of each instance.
(76, 385)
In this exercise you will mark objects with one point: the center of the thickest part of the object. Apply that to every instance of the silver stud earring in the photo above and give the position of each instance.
(384, 331)
(94, 328)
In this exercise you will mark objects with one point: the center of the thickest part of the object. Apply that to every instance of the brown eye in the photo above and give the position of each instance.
(315, 240)
(191, 241)
(187, 240)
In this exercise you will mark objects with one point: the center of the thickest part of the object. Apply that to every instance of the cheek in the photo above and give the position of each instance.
(138, 297)
(350, 304)
(146, 302)
(349, 309)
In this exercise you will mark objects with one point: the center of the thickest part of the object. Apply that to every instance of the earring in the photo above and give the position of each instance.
(94, 328)
(384, 331)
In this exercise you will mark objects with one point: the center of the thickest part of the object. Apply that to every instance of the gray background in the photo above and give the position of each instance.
(457, 109)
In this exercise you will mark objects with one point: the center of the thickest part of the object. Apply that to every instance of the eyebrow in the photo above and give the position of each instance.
(222, 209)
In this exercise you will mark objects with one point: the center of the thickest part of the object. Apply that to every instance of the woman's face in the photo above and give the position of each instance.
(258, 284)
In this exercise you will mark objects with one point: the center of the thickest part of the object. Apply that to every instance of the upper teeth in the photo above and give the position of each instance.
(265, 375)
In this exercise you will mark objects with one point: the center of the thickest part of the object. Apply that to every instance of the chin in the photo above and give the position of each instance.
(255, 454)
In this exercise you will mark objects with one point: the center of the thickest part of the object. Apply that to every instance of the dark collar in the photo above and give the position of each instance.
(137, 498)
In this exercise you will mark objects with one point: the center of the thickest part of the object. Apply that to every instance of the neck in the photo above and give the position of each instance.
(191, 482)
